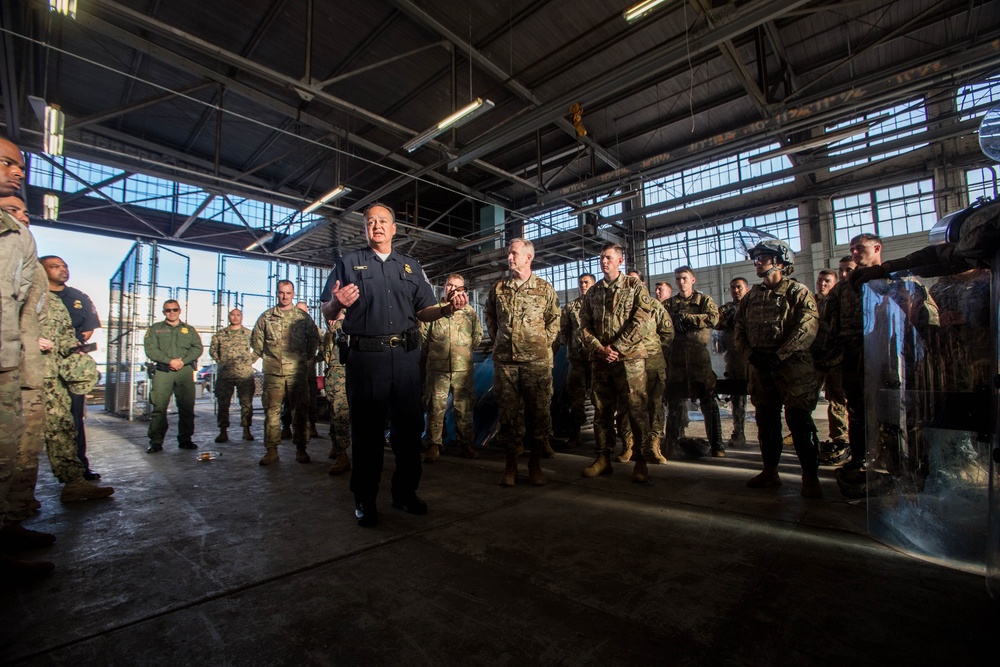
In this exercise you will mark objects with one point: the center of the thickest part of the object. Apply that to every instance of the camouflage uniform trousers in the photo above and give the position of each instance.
(335, 387)
(853, 377)
(832, 383)
(736, 369)
(244, 388)
(22, 486)
(276, 388)
(60, 434)
(524, 397)
(11, 429)
(463, 399)
(792, 385)
(656, 385)
(612, 382)
(578, 384)
(691, 376)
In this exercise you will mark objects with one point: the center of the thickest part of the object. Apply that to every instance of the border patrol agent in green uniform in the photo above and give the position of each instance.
(174, 347)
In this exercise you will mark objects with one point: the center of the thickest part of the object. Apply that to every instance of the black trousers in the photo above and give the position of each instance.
(78, 407)
(384, 387)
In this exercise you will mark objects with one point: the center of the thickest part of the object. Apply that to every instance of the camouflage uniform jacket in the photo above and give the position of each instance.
(844, 308)
(523, 322)
(570, 330)
(286, 340)
(330, 351)
(696, 315)
(18, 264)
(783, 320)
(57, 326)
(727, 324)
(448, 342)
(164, 342)
(230, 348)
(617, 313)
(659, 334)
(32, 317)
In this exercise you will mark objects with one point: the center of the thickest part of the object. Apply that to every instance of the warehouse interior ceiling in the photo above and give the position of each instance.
(282, 100)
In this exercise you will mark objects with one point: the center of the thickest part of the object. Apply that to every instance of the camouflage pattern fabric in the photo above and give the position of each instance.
(60, 434)
(79, 371)
(462, 388)
(234, 357)
(447, 345)
(276, 389)
(22, 486)
(524, 395)
(625, 380)
(335, 388)
(244, 389)
(579, 379)
(523, 321)
(11, 429)
(736, 363)
(690, 373)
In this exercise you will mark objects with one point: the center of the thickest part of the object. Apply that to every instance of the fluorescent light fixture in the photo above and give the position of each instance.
(338, 191)
(610, 201)
(463, 115)
(475, 242)
(55, 123)
(67, 7)
(50, 206)
(259, 242)
(815, 142)
(641, 9)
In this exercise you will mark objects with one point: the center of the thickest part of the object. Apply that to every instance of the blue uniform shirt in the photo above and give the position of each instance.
(81, 310)
(391, 292)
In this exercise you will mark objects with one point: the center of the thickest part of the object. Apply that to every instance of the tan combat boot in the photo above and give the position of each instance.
(271, 456)
(81, 489)
(301, 455)
(313, 433)
(223, 436)
(549, 453)
(432, 454)
(600, 466)
(247, 435)
(640, 473)
(342, 465)
(767, 477)
(468, 452)
(509, 477)
(658, 457)
(811, 487)
(286, 432)
(535, 475)
(627, 443)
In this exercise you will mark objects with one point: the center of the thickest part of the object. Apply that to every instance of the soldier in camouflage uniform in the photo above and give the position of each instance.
(736, 364)
(286, 338)
(614, 317)
(58, 342)
(335, 388)
(776, 323)
(174, 347)
(578, 382)
(522, 317)
(690, 373)
(829, 376)
(447, 346)
(230, 348)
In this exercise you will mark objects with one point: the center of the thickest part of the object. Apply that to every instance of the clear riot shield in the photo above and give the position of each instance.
(993, 533)
(929, 368)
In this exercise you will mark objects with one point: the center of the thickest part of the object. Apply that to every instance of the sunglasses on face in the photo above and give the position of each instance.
(171, 310)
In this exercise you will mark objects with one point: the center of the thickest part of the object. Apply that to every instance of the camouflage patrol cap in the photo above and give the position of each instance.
(80, 373)
(776, 248)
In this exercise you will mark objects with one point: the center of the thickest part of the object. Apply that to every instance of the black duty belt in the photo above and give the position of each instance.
(379, 343)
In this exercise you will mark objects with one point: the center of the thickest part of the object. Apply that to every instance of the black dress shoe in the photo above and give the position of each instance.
(154, 448)
(91, 476)
(187, 445)
(366, 514)
(411, 504)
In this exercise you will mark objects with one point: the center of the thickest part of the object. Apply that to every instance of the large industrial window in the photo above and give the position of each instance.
(564, 277)
(976, 98)
(879, 127)
(712, 246)
(551, 222)
(982, 183)
(727, 176)
(893, 211)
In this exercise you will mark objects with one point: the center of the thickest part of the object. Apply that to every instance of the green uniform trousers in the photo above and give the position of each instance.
(180, 385)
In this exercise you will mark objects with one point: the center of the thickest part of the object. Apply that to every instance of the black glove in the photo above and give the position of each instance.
(764, 361)
(862, 275)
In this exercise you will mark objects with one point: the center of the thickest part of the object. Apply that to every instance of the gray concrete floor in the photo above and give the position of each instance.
(227, 563)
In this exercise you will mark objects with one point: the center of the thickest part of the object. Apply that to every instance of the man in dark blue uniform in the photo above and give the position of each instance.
(385, 294)
(85, 320)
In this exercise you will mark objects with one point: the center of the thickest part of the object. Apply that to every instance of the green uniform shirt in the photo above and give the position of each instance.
(449, 341)
(164, 343)
(286, 340)
(231, 349)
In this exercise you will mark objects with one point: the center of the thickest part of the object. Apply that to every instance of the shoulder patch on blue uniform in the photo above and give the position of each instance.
(360, 268)
(406, 267)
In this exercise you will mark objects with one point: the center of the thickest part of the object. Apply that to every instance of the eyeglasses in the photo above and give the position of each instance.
(171, 310)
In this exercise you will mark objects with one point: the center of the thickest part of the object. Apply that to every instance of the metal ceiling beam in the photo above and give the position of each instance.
(643, 67)
(410, 8)
(193, 218)
(79, 194)
(153, 100)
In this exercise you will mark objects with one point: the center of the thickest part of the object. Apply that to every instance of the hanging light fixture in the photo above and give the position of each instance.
(338, 191)
(55, 124)
(66, 7)
(460, 117)
(259, 242)
(50, 206)
(641, 9)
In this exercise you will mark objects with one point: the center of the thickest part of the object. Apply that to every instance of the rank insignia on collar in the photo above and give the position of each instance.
(406, 267)
(360, 268)
(184, 330)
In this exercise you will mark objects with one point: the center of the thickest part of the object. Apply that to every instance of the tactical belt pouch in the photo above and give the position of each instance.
(163, 367)
(408, 340)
